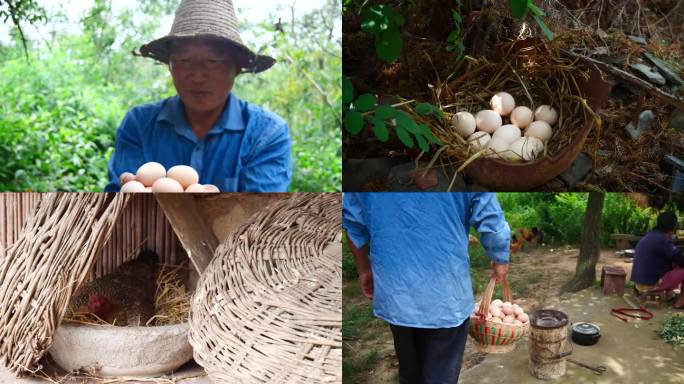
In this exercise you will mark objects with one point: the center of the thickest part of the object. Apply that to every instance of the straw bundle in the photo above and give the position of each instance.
(44, 267)
(268, 307)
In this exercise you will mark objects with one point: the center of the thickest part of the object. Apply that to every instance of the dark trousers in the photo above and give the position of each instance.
(429, 356)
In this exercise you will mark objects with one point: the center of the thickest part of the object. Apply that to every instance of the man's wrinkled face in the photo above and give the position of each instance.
(203, 73)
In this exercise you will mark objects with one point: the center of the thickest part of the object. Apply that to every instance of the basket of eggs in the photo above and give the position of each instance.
(497, 325)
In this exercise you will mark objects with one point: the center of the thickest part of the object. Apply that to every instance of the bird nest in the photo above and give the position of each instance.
(268, 307)
(171, 301)
(534, 73)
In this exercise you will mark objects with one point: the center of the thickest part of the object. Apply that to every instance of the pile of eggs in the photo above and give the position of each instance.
(153, 177)
(524, 138)
(505, 312)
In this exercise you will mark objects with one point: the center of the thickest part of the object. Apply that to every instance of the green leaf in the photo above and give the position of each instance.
(385, 112)
(452, 36)
(434, 140)
(353, 122)
(544, 28)
(347, 90)
(457, 17)
(404, 137)
(422, 144)
(388, 44)
(373, 19)
(380, 130)
(406, 122)
(425, 109)
(535, 11)
(365, 102)
(519, 7)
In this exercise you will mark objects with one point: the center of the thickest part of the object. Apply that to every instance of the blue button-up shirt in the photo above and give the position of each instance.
(419, 251)
(247, 149)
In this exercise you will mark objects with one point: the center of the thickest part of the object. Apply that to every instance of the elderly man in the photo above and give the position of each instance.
(232, 144)
(411, 252)
(658, 263)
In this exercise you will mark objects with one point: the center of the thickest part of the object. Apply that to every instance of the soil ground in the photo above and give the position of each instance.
(536, 276)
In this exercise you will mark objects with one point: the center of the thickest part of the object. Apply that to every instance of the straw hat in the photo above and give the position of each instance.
(213, 19)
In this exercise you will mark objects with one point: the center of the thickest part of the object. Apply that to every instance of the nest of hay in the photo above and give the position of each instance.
(535, 74)
(171, 301)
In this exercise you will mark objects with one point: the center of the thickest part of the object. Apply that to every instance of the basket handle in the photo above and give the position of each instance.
(489, 292)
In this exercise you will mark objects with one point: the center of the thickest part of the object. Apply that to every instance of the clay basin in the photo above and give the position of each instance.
(121, 351)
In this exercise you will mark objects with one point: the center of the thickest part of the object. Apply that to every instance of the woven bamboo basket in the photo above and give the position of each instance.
(45, 265)
(268, 306)
(494, 337)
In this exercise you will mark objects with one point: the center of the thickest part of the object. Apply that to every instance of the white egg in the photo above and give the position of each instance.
(133, 186)
(508, 310)
(508, 133)
(183, 174)
(148, 173)
(503, 103)
(126, 177)
(211, 188)
(521, 117)
(508, 320)
(497, 302)
(523, 318)
(463, 123)
(546, 113)
(196, 188)
(488, 120)
(495, 311)
(527, 148)
(539, 129)
(166, 184)
(518, 311)
(496, 147)
(478, 141)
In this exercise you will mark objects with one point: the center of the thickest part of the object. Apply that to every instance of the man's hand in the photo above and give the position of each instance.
(366, 281)
(499, 271)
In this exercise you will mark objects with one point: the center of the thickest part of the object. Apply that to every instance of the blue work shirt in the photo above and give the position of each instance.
(652, 258)
(247, 149)
(419, 251)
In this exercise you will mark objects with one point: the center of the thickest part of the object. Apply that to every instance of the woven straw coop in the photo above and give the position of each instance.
(266, 268)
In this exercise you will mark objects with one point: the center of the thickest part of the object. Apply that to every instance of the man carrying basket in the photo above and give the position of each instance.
(411, 252)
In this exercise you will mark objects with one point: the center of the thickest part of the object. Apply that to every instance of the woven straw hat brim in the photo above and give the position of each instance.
(214, 19)
(159, 50)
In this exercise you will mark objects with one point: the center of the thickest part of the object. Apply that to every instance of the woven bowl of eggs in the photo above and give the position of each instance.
(497, 325)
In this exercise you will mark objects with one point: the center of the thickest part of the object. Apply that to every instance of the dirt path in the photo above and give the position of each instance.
(535, 274)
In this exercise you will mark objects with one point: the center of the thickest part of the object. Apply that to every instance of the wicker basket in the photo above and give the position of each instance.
(494, 337)
(268, 308)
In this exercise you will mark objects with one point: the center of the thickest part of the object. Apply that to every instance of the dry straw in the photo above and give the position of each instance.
(268, 307)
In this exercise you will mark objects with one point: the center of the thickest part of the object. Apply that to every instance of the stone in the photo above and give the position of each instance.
(646, 119)
(649, 74)
(357, 172)
(665, 70)
(402, 178)
(578, 170)
(677, 120)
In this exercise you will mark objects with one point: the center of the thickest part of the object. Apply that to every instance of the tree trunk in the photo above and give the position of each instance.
(585, 272)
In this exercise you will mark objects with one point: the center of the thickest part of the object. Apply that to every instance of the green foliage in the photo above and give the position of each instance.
(560, 215)
(673, 330)
(455, 40)
(59, 113)
(520, 7)
(405, 127)
(384, 22)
